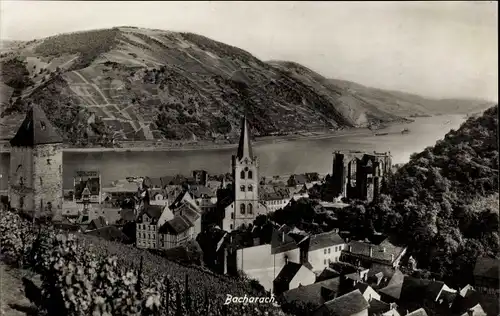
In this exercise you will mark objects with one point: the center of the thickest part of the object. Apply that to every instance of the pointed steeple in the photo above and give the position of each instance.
(36, 129)
(245, 145)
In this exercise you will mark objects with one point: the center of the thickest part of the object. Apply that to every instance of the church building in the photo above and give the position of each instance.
(241, 206)
(35, 180)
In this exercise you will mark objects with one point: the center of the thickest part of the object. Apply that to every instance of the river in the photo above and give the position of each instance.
(298, 156)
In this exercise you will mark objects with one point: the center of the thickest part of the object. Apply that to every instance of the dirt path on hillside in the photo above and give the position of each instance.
(13, 302)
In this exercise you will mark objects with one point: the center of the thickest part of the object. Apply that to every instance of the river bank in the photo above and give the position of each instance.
(207, 145)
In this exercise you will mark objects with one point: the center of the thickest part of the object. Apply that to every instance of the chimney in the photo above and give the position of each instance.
(371, 251)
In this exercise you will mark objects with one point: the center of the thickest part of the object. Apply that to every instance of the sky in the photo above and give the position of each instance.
(436, 49)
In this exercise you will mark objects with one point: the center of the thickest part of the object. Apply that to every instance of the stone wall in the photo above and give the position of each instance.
(47, 182)
(21, 166)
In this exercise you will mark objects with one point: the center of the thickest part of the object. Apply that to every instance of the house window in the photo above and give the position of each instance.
(48, 161)
(42, 125)
(41, 181)
(250, 209)
(250, 174)
(325, 251)
(329, 261)
(242, 208)
(329, 250)
(242, 188)
(232, 215)
(242, 174)
(231, 227)
(324, 262)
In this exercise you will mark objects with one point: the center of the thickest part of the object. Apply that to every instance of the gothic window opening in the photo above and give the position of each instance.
(242, 188)
(250, 188)
(250, 174)
(42, 125)
(250, 209)
(41, 181)
(18, 167)
(242, 174)
(232, 215)
(21, 202)
(242, 208)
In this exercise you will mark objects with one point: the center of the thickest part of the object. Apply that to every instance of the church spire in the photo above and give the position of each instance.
(245, 146)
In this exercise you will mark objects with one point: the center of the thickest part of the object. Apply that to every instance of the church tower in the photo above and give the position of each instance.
(246, 180)
(35, 180)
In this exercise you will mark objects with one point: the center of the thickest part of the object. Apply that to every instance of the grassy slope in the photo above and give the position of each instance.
(150, 84)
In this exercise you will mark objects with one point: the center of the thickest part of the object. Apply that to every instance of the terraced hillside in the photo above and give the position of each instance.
(127, 83)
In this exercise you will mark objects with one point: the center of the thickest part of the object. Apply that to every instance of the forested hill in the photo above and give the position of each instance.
(444, 202)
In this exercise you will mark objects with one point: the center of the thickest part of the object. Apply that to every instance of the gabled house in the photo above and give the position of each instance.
(264, 262)
(274, 198)
(315, 294)
(291, 276)
(147, 226)
(322, 249)
(350, 304)
(184, 226)
(372, 255)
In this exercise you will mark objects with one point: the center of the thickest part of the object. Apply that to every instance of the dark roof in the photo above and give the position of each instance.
(362, 287)
(36, 129)
(269, 193)
(487, 268)
(299, 178)
(325, 240)
(198, 191)
(109, 233)
(418, 312)
(288, 272)
(99, 222)
(127, 215)
(347, 304)
(175, 226)
(327, 273)
(278, 245)
(153, 211)
(312, 293)
(245, 143)
(378, 307)
(415, 289)
(380, 252)
(447, 297)
(393, 290)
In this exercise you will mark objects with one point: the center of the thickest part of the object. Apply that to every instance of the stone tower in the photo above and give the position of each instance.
(35, 182)
(246, 179)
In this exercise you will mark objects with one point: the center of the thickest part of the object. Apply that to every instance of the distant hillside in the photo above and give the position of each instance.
(401, 103)
(128, 83)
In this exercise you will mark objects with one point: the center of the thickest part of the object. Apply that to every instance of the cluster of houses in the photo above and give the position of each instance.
(328, 272)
